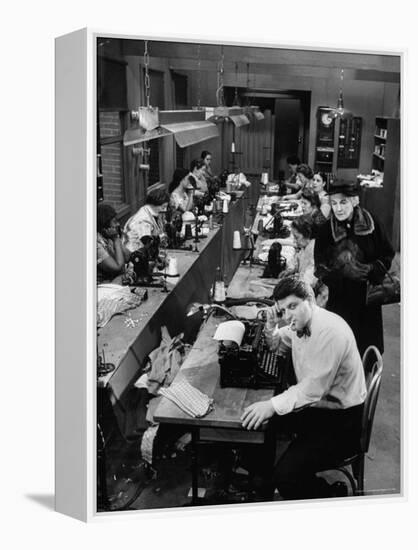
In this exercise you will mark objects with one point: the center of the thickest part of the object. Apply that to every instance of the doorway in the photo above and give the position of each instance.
(292, 110)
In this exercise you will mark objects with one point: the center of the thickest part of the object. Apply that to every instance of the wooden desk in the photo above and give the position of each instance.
(201, 369)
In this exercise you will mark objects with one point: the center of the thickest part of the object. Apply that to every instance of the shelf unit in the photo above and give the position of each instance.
(349, 142)
(385, 201)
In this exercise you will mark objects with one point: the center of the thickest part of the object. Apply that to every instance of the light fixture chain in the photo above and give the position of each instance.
(147, 78)
(199, 76)
(236, 101)
(220, 89)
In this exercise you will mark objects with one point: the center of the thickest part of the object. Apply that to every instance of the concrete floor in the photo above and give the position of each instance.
(382, 468)
(171, 485)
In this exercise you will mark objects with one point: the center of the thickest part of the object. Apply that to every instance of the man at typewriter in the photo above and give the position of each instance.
(324, 408)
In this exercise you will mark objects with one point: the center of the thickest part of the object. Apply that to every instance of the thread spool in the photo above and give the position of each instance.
(219, 294)
(188, 231)
(172, 270)
(225, 206)
(236, 240)
(264, 178)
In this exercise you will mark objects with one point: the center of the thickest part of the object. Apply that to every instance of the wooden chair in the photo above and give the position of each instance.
(373, 367)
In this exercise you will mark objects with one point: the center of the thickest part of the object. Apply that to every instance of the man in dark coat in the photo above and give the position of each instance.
(352, 248)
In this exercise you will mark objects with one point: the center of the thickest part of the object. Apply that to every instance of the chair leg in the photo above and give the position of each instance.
(361, 476)
(349, 477)
(358, 471)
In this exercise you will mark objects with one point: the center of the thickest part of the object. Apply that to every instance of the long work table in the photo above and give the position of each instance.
(202, 370)
(128, 347)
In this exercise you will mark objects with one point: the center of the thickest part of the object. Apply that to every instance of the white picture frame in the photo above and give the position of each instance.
(76, 307)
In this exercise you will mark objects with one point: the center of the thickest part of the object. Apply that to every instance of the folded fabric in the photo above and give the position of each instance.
(165, 361)
(147, 443)
(115, 300)
(189, 399)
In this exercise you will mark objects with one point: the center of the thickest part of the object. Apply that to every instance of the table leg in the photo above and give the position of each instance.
(101, 470)
(270, 450)
(195, 466)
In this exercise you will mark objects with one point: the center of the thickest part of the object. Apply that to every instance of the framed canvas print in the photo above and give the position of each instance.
(228, 274)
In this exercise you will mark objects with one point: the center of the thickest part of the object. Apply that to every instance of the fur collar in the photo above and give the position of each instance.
(362, 223)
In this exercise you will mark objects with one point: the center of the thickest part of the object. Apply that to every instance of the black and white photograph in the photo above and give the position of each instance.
(248, 270)
(209, 297)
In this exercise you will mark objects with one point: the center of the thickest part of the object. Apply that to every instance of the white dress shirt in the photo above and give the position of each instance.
(327, 364)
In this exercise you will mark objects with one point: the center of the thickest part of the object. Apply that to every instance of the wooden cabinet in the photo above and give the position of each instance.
(385, 201)
(324, 146)
(338, 142)
(349, 142)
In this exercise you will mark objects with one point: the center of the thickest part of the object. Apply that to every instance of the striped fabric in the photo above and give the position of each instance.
(189, 399)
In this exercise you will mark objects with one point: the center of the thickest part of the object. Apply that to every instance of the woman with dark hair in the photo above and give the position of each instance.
(111, 253)
(292, 185)
(303, 234)
(181, 192)
(311, 207)
(212, 181)
(304, 174)
(206, 157)
(318, 187)
(352, 249)
(196, 177)
(147, 221)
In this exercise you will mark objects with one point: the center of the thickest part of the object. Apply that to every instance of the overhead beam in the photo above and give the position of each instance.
(264, 55)
(241, 77)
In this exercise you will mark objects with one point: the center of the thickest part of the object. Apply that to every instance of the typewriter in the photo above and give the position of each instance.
(252, 364)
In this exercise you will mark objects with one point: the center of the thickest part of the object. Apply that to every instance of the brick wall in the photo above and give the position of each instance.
(112, 158)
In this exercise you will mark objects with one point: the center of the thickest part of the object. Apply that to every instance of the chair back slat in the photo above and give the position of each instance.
(373, 367)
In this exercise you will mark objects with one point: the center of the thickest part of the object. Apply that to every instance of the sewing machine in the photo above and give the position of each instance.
(144, 260)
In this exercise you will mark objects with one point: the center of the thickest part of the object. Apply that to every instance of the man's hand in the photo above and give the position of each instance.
(256, 414)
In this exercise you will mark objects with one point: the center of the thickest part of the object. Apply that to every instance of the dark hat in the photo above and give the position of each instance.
(347, 189)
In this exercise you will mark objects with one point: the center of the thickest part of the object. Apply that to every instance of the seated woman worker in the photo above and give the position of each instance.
(318, 187)
(303, 234)
(292, 185)
(311, 207)
(351, 249)
(196, 177)
(148, 220)
(111, 253)
(181, 191)
(304, 174)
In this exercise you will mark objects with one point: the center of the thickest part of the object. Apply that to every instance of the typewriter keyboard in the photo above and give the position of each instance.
(269, 364)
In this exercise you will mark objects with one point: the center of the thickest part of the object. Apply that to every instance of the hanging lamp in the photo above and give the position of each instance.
(340, 111)
(187, 126)
(252, 111)
(221, 112)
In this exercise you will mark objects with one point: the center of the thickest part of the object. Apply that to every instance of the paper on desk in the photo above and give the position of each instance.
(230, 330)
